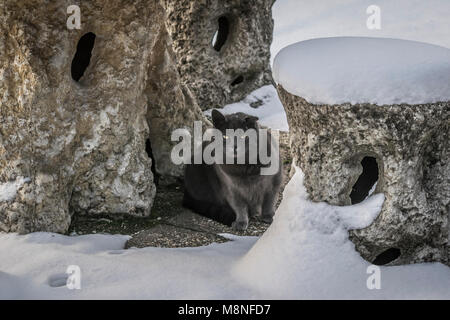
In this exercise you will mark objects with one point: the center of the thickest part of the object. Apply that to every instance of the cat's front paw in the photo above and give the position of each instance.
(240, 225)
(266, 219)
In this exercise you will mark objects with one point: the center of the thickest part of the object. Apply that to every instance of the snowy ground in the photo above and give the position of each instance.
(305, 253)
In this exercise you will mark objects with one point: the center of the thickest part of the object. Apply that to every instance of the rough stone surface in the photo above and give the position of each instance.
(79, 147)
(245, 53)
(411, 146)
(170, 105)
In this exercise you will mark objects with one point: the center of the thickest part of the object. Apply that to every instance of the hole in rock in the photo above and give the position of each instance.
(148, 149)
(387, 256)
(366, 183)
(221, 35)
(83, 55)
(237, 81)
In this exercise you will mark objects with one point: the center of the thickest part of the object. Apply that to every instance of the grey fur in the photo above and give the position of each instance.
(232, 193)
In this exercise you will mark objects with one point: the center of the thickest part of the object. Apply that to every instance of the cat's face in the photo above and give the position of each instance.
(243, 126)
(234, 121)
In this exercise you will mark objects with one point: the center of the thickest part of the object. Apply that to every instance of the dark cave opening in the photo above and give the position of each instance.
(237, 81)
(221, 36)
(148, 149)
(366, 180)
(387, 256)
(83, 55)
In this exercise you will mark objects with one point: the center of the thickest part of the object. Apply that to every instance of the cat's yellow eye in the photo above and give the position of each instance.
(225, 137)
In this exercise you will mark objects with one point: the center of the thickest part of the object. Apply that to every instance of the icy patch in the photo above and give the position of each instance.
(8, 190)
(364, 70)
(263, 103)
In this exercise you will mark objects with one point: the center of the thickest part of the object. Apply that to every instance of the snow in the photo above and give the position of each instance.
(305, 253)
(8, 190)
(417, 20)
(364, 70)
(40, 260)
(299, 20)
(270, 110)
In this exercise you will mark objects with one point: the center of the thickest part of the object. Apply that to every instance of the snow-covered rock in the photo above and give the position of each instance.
(306, 254)
(364, 70)
(350, 127)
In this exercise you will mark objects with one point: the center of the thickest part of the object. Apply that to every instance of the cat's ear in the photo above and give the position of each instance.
(251, 121)
(218, 119)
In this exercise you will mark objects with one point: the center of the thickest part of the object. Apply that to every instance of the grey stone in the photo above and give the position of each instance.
(411, 146)
(78, 147)
(213, 75)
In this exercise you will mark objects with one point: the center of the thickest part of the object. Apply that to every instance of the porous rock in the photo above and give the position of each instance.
(411, 147)
(239, 62)
(78, 147)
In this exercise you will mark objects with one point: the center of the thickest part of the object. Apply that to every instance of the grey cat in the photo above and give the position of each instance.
(232, 193)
